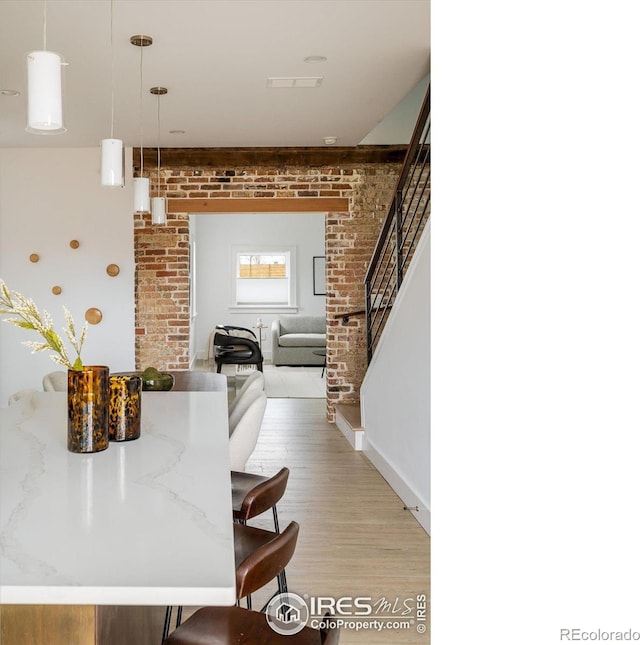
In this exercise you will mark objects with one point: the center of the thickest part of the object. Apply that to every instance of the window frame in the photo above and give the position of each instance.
(264, 249)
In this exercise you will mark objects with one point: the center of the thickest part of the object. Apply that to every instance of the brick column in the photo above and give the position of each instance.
(162, 292)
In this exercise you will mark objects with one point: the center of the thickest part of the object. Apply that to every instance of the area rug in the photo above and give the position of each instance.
(282, 382)
(286, 382)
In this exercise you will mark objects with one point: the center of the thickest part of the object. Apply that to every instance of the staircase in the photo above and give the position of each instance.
(348, 420)
(401, 230)
(397, 241)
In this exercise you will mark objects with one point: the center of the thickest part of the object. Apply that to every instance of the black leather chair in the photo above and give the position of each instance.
(236, 346)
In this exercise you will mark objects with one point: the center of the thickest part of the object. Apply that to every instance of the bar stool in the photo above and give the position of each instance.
(239, 626)
(240, 405)
(260, 557)
(243, 437)
(252, 495)
(255, 381)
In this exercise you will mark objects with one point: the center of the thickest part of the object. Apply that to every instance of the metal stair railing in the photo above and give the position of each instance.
(408, 213)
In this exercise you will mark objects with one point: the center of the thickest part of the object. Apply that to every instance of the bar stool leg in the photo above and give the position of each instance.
(167, 623)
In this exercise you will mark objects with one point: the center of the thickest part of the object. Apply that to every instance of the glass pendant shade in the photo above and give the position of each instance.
(158, 213)
(112, 167)
(141, 199)
(44, 87)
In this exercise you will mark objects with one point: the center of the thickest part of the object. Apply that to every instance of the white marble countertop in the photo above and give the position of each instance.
(145, 522)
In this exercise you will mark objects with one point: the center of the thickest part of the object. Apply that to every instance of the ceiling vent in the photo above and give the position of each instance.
(295, 81)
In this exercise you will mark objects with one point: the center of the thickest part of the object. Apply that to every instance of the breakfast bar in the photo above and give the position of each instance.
(98, 544)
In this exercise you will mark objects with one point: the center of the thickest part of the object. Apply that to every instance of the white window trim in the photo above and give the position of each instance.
(265, 249)
(258, 309)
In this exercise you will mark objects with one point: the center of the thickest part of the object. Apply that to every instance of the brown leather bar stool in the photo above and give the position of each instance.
(260, 557)
(239, 626)
(252, 495)
(248, 543)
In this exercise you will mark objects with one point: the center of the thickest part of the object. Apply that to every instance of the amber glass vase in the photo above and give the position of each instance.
(88, 409)
(124, 407)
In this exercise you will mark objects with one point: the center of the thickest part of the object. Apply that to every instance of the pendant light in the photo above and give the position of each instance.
(112, 150)
(158, 205)
(44, 89)
(141, 200)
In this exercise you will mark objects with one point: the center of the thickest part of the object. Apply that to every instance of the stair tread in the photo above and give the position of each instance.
(351, 414)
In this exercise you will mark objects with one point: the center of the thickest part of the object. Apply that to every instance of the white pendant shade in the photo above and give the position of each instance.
(158, 213)
(44, 87)
(141, 199)
(112, 167)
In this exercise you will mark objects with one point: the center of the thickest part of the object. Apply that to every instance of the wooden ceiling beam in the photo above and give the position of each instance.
(260, 205)
(239, 157)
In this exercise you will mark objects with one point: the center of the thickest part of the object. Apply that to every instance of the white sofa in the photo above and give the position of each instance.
(295, 338)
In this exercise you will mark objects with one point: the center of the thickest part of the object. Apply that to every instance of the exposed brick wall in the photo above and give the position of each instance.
(162, 292)
(162, 258)
(350, 239)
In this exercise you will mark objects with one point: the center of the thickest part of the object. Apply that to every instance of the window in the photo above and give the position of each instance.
(264, 278)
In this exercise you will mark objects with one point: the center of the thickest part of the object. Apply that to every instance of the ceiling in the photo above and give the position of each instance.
(214, 57)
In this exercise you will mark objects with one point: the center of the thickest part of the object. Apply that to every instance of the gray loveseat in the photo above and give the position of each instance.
(295, 338)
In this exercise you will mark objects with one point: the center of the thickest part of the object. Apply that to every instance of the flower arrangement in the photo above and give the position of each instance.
(26, 315)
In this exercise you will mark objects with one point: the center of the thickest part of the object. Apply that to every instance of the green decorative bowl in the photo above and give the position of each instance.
(162, 383)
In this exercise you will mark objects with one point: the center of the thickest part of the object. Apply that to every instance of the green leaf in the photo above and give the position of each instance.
(22, 323)
(77, 365)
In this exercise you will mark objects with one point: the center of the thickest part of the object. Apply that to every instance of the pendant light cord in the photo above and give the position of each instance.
(141, 120)
(158, 145)
(44, 26)
(112, 68)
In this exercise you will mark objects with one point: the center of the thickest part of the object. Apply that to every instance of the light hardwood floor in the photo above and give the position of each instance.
(355, 538)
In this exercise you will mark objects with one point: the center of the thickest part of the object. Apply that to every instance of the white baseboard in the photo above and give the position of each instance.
(409, 498)
(354, 437)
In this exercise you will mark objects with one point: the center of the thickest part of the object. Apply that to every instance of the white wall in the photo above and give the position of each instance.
(47, 198)
(395, 395)
(398, 126)
(217, 233)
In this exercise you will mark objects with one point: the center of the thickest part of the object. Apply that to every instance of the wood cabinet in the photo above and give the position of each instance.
(80, 625)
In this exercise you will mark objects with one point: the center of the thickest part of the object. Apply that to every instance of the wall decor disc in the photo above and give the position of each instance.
(56, 290)
(74, 244)
(34, 257)
(93, 315)
(113, 270)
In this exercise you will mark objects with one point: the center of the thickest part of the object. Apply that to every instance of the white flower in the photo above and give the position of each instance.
(28, 316)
